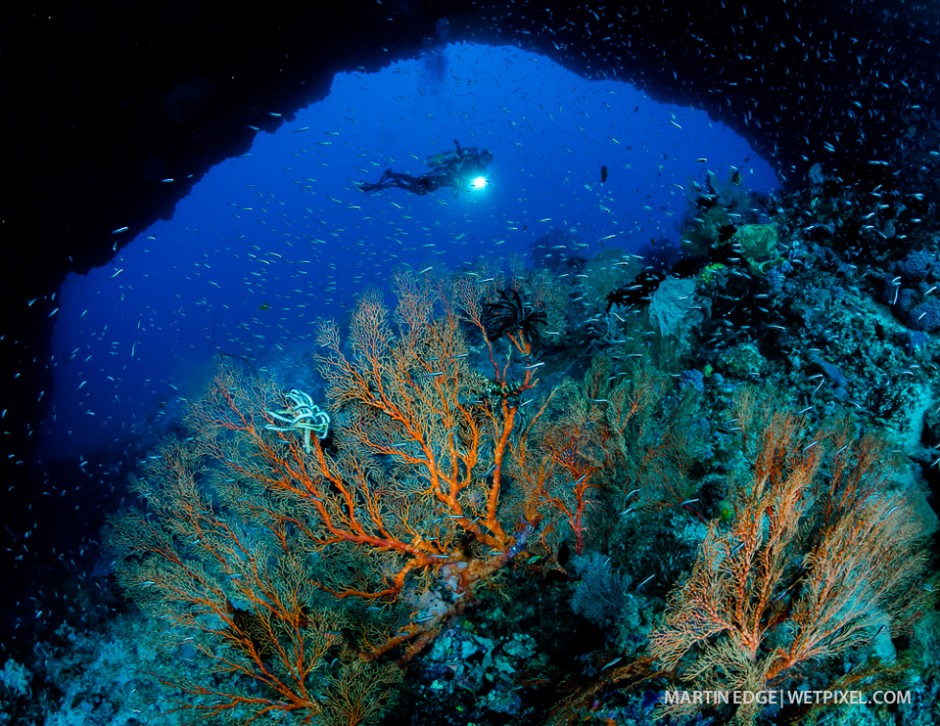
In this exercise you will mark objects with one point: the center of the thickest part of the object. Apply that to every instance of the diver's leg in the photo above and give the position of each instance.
(413, 184)
(369, 187)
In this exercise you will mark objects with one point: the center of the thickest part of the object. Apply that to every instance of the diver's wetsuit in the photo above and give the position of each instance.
(423, 184)
(448, 170)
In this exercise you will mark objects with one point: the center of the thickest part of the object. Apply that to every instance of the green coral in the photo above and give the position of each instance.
(758, 244)
(712, 272)
(725, 511)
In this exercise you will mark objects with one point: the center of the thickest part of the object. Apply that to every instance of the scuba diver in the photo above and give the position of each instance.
(457, 169)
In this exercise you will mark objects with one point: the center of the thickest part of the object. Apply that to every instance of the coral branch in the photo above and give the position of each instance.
(814, 559)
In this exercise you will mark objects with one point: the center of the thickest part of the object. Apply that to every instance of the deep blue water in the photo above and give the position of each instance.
(268, 243)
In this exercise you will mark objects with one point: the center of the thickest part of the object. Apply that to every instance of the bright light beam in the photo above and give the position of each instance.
(478, 182)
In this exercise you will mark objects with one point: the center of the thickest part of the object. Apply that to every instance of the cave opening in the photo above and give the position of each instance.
(271, 241)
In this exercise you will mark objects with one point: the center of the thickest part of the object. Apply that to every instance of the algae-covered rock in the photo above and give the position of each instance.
(742, 361)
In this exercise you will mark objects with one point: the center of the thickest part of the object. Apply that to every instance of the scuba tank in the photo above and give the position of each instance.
(445, 158)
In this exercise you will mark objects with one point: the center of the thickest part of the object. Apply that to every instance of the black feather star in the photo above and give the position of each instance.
(514, 315)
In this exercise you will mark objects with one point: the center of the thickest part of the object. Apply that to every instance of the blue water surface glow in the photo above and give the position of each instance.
(268, 243)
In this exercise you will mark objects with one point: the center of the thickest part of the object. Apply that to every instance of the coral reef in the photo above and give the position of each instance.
(557, 495)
